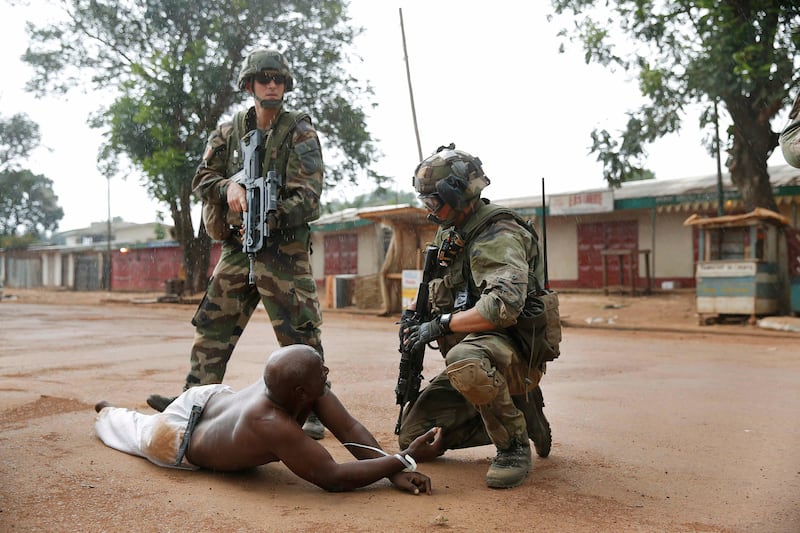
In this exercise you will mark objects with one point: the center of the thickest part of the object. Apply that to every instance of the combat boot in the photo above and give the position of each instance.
(538, 426)
(158, 402)
(313, 427)
(510, 467)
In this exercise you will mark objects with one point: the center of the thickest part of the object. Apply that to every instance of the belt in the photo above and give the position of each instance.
(197, 410)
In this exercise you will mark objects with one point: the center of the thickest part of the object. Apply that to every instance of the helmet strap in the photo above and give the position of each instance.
(455, 217)
(267, 104)
(270, 104)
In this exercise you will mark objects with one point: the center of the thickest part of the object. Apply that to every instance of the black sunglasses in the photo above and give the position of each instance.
(264, 78)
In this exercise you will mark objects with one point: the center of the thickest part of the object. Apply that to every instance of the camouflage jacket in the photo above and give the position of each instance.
(292, 147)
(494, 272)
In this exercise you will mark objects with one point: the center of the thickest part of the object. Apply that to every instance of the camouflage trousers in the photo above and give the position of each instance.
(464, 424)
(284, 284)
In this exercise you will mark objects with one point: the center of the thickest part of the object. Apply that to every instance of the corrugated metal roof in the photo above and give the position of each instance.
(677, 190)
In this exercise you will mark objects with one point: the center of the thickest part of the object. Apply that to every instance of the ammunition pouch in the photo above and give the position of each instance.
(538, 329)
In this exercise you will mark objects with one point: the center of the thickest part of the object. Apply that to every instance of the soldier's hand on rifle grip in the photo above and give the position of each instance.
(237, 199)
(418, 335)
(272, 221)
(406, 321)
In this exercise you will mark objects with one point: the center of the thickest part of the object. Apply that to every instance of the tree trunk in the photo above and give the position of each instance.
(748, 156)
(196, 258)
(196, 249)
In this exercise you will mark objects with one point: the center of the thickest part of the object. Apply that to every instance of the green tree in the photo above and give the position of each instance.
(19, 135)
(28, 205)
(741, 54)
(171, 68)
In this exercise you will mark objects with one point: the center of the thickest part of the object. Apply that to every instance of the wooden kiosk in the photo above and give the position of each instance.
(741, 265)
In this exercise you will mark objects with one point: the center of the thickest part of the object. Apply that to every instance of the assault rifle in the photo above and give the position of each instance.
(261, 195)
(409, 377)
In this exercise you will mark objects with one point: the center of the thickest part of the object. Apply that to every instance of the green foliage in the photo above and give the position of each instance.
(28, 205)
(18, 136)
(16, 241)
(171, 67)
(743, 54)
(174, 63)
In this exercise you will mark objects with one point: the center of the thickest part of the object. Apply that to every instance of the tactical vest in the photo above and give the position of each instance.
(540, 314)
(216, 216)
(488, 214)
(458, 277)
(276, 157)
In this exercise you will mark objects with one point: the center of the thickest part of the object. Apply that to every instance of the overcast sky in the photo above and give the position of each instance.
(490, 80)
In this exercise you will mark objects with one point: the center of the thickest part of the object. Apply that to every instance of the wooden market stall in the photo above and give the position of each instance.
(742, 265)
(411, 231)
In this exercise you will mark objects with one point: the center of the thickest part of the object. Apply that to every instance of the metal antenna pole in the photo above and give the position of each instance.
(107, 262)
(544, 239)
(410, 90)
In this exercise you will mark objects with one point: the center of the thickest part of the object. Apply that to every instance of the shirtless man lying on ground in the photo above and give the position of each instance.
(213, 427)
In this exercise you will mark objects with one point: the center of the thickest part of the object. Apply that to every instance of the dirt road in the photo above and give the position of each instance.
(652, 432)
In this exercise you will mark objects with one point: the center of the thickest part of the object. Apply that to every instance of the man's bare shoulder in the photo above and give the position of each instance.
(249, 397)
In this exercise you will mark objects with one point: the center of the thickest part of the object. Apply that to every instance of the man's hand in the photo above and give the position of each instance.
(427, 446)
(406, 321)
(418, 335)
(237, 199)
(413, 482)
(272, 221)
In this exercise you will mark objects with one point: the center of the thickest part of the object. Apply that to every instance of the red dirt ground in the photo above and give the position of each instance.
(659, 425)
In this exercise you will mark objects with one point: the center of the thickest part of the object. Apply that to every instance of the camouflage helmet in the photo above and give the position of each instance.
(456, 176)
(265, 59)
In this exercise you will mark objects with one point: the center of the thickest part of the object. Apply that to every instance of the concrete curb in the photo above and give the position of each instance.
(751, 331)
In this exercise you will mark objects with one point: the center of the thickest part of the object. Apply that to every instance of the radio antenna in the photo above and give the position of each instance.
(410, 90)
(544, 240)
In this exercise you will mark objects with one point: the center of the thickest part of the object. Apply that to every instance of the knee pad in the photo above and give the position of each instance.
(476, 379)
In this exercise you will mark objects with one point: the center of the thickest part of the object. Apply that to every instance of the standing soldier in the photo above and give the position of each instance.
(488, 321)
(284, 282)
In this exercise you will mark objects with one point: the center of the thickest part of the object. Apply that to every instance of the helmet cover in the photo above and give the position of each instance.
(265, 59)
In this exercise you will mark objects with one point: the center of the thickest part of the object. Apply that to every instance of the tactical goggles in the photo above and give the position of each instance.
(265, 77)
(432, 202)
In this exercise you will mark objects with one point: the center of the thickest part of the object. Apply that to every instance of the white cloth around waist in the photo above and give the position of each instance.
(155, 437)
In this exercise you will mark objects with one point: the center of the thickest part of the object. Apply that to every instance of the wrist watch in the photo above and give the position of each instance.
(444, 321)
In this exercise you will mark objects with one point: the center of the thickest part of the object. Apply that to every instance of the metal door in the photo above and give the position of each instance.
(596, 236)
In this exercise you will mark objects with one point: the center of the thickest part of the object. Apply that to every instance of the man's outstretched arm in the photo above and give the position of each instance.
(312, 462)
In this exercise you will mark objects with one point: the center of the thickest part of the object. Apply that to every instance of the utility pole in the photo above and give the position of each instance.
(107, 262)
(410, 90)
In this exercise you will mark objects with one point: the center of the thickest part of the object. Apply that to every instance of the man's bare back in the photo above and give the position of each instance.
(263, 423)
(227, 436)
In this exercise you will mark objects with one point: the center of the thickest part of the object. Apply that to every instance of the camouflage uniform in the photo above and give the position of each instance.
(283, 277)
(494, 273)
(790, 136)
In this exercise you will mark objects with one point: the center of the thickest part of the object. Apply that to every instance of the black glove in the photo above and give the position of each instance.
(421, 334)
(406, 320)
